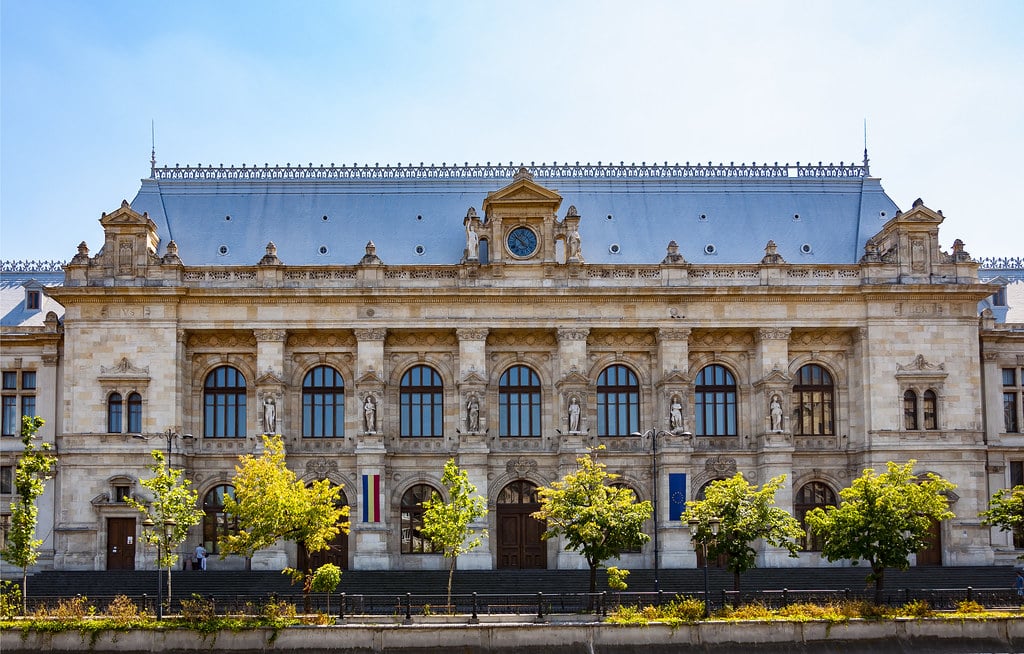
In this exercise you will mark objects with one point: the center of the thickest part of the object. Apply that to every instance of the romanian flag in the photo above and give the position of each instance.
(371, 498)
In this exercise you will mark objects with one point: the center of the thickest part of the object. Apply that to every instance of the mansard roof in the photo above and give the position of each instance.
(414, 214)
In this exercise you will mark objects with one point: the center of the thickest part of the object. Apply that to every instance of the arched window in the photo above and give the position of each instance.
(224, 404)
(323, 403)
(715, 401)
(813, 402)
(931, 410)
(422, 402)
(519, 402)
(217, 523)
(135, 413)
(115, 413)
(618, 402)
(910, 410)
(811, 496)
(412, 520)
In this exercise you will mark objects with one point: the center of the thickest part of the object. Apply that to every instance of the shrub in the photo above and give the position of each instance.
(326, 578)
(617, 578)
(197, 608)
(687, 609)
(755, 611)
(278, 610)
(123, 610)
(915, 609)
(969, 606)
(10, 599)
(74, 608)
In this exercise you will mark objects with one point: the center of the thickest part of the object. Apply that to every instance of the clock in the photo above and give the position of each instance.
(522, 241)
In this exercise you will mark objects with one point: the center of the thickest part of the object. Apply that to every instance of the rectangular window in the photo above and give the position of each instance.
(28, 380)
(6, 480)
(1009, 377)
(10, 380)
(32, 300)
(122, 493)
(11, 424)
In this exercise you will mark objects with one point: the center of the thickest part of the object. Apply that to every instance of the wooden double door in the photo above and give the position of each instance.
(520, 546)
(121, 543)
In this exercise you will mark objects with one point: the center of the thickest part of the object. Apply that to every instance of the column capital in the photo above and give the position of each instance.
(573, 333)
(674, 334)
(472, 333)
(371, 333)
(270, 335)
(774, 333)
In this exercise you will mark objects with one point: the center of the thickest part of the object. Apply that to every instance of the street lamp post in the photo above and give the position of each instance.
(713, 525)
(654, 433)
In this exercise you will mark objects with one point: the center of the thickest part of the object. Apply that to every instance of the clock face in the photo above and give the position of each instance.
(522, 242)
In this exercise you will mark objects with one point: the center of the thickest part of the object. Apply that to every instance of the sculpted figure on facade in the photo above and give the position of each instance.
(675, 414)
(472, 242)
(572, 252)
(775, 410)
(574, 415)
(369, 415)
(473, 414)
(269, 415)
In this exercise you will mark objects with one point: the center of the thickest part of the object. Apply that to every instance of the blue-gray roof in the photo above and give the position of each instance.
(815, 214)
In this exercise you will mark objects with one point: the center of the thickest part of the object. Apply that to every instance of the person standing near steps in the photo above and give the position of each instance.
(201, 556)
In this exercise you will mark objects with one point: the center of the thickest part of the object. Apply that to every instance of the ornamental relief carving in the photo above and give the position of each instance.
(322, 340)
(421, 339)
(774, 334)
(821, 337)
(521, 466)
(616, 338)
(721, 338)
(573, 333)
(720, 465)
(543, 339)
(472, 334)
(321, 467)
(270, 335)
(124, 369)
(221, 340)
(677, 334)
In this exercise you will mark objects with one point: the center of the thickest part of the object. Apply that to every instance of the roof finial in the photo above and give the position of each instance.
(152, 152)
(867, 168)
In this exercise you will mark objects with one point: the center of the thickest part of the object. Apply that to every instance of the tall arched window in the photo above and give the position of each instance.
(323, 403)
(135, 413)
(422, 402)
(412, 520)
(811, 496)
(217, 523)
(618, 402)
(910, 410)
(715, 401)
(813, 402)
(115, 413)
(519, 402)
(224, 404)
(931, 410)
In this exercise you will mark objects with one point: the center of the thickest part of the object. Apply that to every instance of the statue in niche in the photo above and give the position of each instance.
(574, 415)
(269, 415)
(473, 414)
(572, 252)
(370, 415)
(675, 414)
(775, 410)
(472, 243)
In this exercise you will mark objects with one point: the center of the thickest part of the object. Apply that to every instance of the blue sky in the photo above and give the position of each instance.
(940, 84)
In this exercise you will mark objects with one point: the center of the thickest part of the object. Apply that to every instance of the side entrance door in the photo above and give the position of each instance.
(120, 543)
(519, 534)
(931, 554)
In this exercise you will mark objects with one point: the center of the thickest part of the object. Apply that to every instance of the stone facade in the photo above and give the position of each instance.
(138, 322)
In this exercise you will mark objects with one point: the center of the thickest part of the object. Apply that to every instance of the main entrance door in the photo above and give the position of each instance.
(931, 554)
(337, 553)
(519, 534)
(120, 543)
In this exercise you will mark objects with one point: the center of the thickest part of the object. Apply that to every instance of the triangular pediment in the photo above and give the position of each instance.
(370, 377)
(269, 378)
(675, 378)
(473, 379)
(125, 215)
(574, 378)
(523, 191)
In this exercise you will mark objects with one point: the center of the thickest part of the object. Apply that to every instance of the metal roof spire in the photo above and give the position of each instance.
(867, 168)
(152, 152)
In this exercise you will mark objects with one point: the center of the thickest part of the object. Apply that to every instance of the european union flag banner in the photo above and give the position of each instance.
(676, 495)
(371, 498)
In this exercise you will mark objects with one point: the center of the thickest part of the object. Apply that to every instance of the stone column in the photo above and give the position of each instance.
(369, 525)
(269, 414)
(473, 448)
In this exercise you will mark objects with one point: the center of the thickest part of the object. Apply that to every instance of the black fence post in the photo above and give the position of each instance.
(604, 603)
(970, 593)
(474, 618)
(408, 607)
(659, 597)
(846, 594)
(540, 606)
(341, 610)
(785, 597)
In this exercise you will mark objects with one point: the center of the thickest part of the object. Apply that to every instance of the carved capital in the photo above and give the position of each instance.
(472, 333)
(371, 334)
(774, 333)
(675, 334)
(720, 465)
(270, 335)
(520, 466)
(573, 333)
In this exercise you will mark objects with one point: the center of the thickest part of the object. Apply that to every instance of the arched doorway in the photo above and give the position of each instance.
(520, 546)
(336, 553)
(722, 559)
(931, 554)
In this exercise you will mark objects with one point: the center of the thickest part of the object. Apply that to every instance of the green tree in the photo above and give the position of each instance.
(1006, 511)
(325, 580)
(35, 467)
(598, 520)
(272, 504)
(449, 525)
(882, 519)
(746, 513)
(172, 499)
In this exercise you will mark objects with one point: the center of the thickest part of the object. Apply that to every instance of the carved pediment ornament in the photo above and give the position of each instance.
(269, 378)
(321, 467)
(720, 465)
(573, 333)
(371, 334)
(521, 466)
(921, 365)
(270, 335)
(774, 333)
(124, 369)
(472, 333)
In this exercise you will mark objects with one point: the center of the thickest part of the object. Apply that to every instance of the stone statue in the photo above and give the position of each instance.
(574, 415)
(573, 246)
(775, 409)
(675, 415)
(269, 415)
(472, 243)
(370, 415)
(473, 414)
